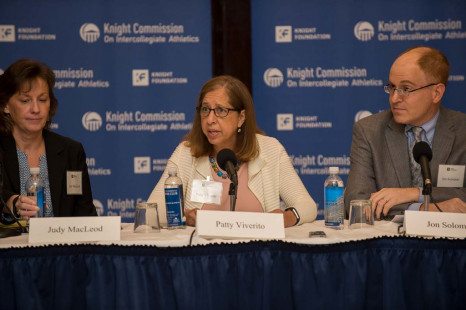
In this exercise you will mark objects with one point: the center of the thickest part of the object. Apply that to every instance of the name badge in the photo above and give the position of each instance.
(74, 182)
(206, 191)
(74, 229)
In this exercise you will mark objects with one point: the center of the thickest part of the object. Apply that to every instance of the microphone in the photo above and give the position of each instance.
(422, 154)
(227, 161)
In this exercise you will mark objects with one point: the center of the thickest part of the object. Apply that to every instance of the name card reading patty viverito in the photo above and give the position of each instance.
(232, 225)
(435, 224)
(74, 229)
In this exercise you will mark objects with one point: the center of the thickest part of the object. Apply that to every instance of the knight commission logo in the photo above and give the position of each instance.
(99, 207)
(363, 31)
(273, 77)
(361, 114)
(92, 121)
(89, 32)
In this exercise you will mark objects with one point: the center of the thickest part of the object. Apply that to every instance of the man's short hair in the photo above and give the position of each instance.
(433, 63)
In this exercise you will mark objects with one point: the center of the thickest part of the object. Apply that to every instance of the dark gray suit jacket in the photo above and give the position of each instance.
(380, 159)
(63, 154)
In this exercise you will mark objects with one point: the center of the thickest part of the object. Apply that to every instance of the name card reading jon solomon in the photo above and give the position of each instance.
(435, 224)
(74, 229)
(254, 225)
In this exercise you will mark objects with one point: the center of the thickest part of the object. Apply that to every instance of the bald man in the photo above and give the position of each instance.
(380, 151)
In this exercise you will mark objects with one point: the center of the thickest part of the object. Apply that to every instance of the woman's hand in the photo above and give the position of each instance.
(190, 216)
(25, 206)
(289, 219)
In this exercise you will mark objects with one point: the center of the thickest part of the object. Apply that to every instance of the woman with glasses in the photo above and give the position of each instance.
(225, 119)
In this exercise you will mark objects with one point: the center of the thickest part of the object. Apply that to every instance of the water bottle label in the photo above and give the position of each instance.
(334, 210)
(38, 196)
(173, 198)
(40, 203)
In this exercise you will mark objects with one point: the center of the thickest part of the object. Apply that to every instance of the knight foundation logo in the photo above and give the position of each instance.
(89, 32)
(141, 77)
(283, 34)
(273, 77)
(285, 121)
(7, 33)
(142, 165)
(363, 31)
(92, 121)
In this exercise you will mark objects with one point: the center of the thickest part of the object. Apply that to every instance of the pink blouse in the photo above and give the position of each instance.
(246, 201)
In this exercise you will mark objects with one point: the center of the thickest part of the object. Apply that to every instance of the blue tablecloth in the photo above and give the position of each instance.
(380, 273)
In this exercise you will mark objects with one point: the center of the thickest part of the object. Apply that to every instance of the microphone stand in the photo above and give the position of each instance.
(426, 191)
(232, 193)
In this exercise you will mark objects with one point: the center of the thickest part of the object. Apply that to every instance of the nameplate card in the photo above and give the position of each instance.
(239, 225)
(435, 224)
(74, 229)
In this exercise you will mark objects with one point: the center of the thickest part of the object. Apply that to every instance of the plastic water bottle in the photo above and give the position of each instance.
(174, 201)
(334, 207)
(35, 188)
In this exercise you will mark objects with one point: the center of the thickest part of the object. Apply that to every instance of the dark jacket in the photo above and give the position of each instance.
(63, 154)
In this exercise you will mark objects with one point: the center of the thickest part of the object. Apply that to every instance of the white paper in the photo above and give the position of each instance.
(205, 191)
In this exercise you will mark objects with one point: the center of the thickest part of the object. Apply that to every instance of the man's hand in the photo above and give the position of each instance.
(454, 205)
(387, 198)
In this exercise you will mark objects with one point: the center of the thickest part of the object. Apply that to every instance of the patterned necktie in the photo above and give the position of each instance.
(416, 178)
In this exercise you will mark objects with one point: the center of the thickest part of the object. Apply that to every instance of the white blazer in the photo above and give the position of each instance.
(271, 176)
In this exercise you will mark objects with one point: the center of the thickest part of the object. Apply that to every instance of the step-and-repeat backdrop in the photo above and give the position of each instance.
(319, 66)
(128, 74)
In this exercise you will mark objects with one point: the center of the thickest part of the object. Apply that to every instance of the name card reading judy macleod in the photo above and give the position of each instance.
(231, 225)
(74, 229)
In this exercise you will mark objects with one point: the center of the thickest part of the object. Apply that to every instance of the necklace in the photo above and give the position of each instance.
(217, 170)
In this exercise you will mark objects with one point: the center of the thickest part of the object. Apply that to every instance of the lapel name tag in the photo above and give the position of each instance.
(74, 183)
(450, 175)
(435, 224)
(74, 229)
(233, 225)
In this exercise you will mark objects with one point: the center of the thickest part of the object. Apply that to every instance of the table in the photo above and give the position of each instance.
(372, 268)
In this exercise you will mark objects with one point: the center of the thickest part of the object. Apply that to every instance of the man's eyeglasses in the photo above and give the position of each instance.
(404, 91)
(219, 111)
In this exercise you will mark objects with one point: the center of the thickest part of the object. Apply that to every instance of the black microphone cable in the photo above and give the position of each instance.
(435, 203)
(191, 238)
